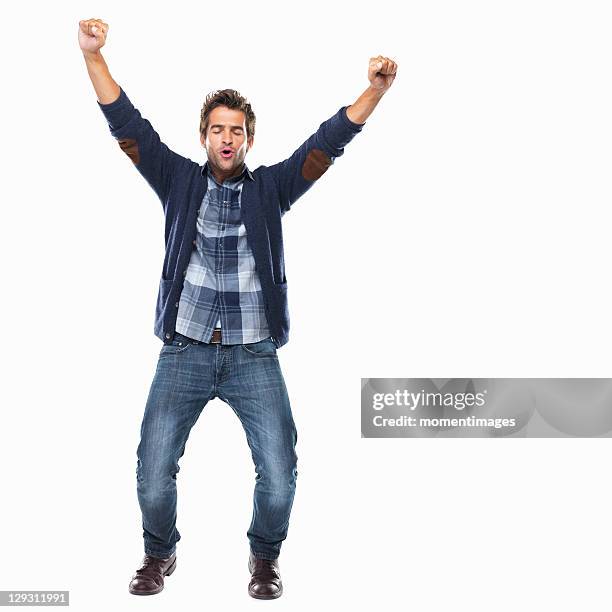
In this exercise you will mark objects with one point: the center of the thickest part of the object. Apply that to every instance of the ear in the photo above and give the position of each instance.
(203, 139)
(250, 141)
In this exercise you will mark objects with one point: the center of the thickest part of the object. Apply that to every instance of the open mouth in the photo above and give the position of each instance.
(226, 153)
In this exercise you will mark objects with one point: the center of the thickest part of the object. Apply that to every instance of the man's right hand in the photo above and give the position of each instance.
(92, 35)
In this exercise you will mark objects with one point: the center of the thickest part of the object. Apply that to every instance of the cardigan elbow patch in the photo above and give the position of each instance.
(130, 147)
(315, 165)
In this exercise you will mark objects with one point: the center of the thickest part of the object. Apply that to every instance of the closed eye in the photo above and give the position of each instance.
(236, 130)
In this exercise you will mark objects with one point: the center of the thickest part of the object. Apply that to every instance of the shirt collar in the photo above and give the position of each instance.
(246, 170)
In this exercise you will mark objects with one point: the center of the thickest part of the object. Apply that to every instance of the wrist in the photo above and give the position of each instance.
(93, 56)
(375, 92)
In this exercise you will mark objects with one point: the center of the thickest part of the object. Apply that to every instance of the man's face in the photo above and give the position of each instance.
(226, 131)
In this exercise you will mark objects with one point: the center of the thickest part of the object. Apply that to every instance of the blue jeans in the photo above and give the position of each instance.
(248, 378)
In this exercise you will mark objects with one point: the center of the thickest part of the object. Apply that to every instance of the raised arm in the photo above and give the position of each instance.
(92, 37)
(134, 134)
(310, 161)
(381, 74)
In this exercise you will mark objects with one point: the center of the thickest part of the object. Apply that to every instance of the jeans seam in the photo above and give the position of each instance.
(236, 413)
(263, 556)
(166, 555)
(173, 388)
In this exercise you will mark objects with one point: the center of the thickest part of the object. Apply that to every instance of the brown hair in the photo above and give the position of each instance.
(234, 101)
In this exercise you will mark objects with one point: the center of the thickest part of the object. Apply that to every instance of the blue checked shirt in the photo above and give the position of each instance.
(266, 195)
(222, 287)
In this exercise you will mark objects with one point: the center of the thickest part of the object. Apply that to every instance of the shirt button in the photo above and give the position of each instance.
(176, 304)
(185, 273)
(168, 335)
(193, 242)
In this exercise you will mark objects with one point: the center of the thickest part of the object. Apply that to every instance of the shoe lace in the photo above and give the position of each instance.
(265, 570)
(150, 566)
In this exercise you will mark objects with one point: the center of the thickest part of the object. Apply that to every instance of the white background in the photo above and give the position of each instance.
(464, 232)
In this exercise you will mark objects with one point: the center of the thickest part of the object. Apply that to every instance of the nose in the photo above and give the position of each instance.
(227, 138)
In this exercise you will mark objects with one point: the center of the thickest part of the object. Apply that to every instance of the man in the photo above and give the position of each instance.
(222, 308)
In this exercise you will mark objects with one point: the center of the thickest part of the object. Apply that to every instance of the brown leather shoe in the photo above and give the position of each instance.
(149, 577)
(265, 578)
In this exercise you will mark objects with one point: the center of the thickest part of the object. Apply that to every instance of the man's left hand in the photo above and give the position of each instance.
(381, 72)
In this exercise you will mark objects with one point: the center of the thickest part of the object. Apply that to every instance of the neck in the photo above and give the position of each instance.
(221, 176)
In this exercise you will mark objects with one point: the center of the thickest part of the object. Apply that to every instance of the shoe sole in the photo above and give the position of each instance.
(280, 591)
(266, 596)
(168, 572)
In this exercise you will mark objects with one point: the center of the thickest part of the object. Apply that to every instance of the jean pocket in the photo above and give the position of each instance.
(263, 348)
(178, 345)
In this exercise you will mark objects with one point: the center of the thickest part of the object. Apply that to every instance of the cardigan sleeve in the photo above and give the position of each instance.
(296, 174)
(141, 143)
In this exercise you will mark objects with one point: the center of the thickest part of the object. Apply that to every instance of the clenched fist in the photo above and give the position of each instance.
(381, 72)
(92, 35)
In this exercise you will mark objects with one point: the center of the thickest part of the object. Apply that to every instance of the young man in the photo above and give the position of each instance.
(222, 305)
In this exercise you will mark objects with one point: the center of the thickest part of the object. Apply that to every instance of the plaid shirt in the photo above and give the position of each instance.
(222, 288)
(181, 189)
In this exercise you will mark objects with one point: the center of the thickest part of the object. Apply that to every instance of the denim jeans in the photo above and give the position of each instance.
(248, 378)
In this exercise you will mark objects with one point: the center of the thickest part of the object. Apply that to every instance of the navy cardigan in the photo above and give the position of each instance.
(180, 186)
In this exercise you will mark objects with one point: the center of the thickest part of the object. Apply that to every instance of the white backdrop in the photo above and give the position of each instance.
(464, 232)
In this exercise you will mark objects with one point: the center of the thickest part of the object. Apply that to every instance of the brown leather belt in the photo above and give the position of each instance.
(216, 337)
